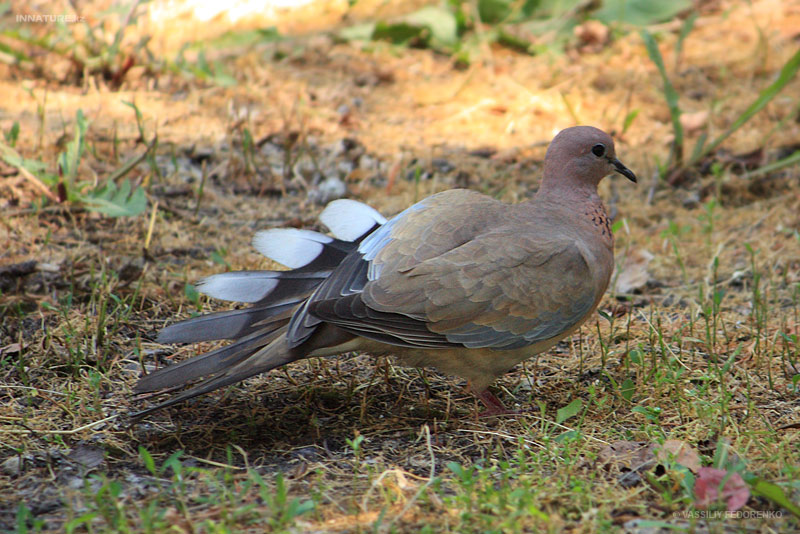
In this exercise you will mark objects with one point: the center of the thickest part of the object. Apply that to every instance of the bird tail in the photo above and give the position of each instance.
(259, 332)
(250, 357)
(210, 363)
(251, 328)
(255, 330)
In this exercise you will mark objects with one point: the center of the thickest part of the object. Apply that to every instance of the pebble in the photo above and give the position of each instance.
(329, 189)
(12, 466)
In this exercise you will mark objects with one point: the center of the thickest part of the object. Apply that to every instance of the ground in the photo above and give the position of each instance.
(692, 360)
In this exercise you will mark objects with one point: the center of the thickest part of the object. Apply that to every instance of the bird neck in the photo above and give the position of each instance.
(571, 192)
(581, 201)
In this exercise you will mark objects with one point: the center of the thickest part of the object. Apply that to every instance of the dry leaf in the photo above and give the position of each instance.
(633, 274)
(707, 489)
(13, 348)
(88, 456)
(681, 453)
(633, 455)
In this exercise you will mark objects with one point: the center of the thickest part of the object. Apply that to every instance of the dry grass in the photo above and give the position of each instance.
(358, 444)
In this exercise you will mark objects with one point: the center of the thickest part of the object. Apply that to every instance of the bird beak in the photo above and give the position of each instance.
(622, 169)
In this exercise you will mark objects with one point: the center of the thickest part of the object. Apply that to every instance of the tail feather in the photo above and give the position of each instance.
(215, 361)
(231, 324)
(265, 359)
(259, 286)
(301, 249)
(260, 330)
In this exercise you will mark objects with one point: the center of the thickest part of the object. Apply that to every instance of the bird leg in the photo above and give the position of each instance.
(494, 406)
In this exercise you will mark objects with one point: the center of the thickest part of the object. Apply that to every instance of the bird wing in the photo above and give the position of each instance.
(458, 269)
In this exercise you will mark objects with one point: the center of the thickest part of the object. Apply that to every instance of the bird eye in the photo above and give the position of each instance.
(599, 150)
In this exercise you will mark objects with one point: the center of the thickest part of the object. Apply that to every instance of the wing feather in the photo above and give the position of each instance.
(434, 278)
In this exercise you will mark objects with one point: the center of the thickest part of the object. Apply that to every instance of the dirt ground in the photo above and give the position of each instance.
(708, 277)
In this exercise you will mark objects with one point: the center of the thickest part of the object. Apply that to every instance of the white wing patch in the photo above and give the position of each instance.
(378, 239)
(289, 246)
(244, 286)
(349, 219)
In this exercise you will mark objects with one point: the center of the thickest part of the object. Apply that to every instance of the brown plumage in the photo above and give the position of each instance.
(459, 281)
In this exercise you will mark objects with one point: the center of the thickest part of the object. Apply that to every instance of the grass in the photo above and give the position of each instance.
(705, 353)
(677, 166)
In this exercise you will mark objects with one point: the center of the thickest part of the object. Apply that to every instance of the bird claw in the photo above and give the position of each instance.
(494, 406)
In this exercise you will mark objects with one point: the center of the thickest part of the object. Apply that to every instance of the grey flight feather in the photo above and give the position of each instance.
(264, 359)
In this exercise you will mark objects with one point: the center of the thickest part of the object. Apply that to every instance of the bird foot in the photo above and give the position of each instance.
(494, 406)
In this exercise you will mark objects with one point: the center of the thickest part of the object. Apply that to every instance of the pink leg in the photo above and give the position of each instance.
(494, 406)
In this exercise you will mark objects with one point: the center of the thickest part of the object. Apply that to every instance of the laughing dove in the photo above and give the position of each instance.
(459, 281)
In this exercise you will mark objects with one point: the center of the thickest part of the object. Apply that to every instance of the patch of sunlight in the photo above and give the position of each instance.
(234, 10)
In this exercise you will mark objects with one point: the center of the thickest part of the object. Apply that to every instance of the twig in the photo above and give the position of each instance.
(569, 429)
(37, 183)
(61, 432)
(509, 437)
(665, 344)
(37, 390)
(150, 226)
(427, 431)
(216, 464)
(133, 162)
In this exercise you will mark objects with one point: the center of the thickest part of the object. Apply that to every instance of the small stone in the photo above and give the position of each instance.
(692, 122)
(691, 200)
(592, 34)
(442, 165)
(329, 189)
(12, 466)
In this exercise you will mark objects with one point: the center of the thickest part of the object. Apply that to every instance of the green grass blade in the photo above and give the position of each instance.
(788, 72)
(670, 94)
(70, 159)
(629, 118)
(686, 28)
(773, 493)
(777, 165)
(132, 162)
(33, 166)
(570, 410)
(698, 146)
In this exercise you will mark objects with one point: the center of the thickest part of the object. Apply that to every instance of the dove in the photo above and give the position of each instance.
(459, 281)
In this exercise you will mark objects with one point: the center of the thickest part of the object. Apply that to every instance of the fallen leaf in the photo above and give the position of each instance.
(87, 456)
(628, 455)
(707, 489)
(630, 458)
(681, 453)
(13, 348)
(633, 275)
